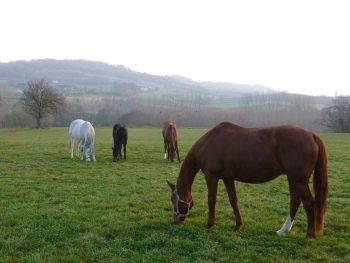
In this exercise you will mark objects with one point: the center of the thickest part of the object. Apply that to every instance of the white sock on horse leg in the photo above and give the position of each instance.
(164, 155)
(287, 226)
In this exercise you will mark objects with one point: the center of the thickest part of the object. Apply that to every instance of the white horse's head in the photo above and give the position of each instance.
(87, 151)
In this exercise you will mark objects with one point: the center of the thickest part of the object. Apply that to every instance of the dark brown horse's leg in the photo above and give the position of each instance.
(212, 184)
(232, 194)
(124, 151)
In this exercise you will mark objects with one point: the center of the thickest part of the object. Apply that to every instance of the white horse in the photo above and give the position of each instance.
(84, 134)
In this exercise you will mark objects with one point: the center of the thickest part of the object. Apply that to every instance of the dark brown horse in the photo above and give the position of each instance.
(256, 155)
(170, 140)
(120, 137)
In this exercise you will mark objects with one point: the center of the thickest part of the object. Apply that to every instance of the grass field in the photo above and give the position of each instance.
(57, 209)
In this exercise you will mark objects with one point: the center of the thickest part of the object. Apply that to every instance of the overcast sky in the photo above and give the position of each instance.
(295, 46)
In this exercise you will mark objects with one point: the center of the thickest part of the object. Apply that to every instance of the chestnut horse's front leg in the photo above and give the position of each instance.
(177, 152)
(232, 194)
(212, 184)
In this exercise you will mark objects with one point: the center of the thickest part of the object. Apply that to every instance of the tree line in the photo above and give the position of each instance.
(43, 106)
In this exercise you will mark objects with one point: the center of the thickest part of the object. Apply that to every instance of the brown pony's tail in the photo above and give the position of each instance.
(320, 184)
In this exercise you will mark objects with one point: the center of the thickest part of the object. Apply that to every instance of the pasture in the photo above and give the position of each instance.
(57, 209)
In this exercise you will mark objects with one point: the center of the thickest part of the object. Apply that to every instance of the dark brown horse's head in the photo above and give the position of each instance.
(115, 154)
(181, 207)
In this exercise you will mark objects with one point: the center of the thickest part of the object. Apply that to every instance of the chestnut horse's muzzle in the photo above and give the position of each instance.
(178, 222)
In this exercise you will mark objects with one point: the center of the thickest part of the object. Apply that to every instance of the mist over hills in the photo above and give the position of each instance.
(84, 72)
(106, 94)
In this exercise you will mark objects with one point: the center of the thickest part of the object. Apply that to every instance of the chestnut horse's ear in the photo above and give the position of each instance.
(172, 186)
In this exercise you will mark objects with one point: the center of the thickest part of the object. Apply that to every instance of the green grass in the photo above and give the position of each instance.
(57, 209)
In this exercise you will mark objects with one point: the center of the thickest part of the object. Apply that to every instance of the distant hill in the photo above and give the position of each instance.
(94, 73)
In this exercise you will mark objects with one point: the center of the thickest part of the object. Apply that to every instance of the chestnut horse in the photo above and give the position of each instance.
(256, 155)
(170, 140)
(120, 137)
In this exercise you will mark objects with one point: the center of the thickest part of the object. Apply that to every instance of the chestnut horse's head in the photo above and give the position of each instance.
(180, 206)
(172, 153)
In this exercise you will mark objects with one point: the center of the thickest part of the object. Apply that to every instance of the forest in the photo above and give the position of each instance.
(105, 94)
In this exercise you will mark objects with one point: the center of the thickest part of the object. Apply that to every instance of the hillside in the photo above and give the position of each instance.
(92, 73)
(106, 94)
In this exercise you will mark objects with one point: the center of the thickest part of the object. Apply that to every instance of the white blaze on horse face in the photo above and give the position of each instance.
(287, 226)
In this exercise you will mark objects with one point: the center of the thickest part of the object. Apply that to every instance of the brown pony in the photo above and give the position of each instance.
(170, 140)
(256, 155)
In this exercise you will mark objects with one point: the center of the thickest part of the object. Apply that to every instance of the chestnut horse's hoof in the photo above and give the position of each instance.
(238, 227)
(207, 226)
(307, 237)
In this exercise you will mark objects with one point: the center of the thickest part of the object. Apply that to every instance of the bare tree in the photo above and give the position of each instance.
(40, 100)
(337, 116)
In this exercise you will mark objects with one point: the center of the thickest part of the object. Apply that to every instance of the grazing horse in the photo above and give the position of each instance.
(84, 134)
(120, 136)
(170, 140)
(256, 155)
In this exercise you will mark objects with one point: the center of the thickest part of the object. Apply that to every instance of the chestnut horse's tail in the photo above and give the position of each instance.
(320, 185)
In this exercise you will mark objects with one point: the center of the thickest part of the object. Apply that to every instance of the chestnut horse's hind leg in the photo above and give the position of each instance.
(177, 152)
(309, 206)
(212, 184)
(232, 194)
(165, 147)
(300, 192)
(294, 204)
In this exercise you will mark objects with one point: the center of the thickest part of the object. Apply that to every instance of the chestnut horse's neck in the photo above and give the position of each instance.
(188, 172)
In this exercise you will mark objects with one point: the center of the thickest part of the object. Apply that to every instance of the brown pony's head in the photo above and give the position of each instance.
(172, 153)
(181, 207)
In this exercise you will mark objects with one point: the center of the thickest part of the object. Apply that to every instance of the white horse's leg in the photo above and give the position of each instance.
(287, 226)
(93, 154)
(79, 146)
(71, 146)
(82, 152)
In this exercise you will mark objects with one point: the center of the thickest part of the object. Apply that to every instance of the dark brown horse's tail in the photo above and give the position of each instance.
(320, 184)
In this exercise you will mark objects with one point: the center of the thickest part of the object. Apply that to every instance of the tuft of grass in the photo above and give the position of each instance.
(57, 209)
